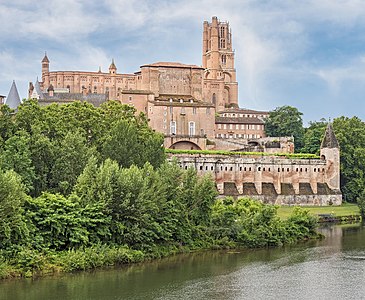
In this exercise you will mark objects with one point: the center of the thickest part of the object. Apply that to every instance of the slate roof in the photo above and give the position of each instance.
(13, 99)
(243, 111)
(239, 120)
(38, 89)
(45, 58)
(329, 139)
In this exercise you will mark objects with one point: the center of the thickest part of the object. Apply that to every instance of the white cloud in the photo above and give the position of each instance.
(273, 39)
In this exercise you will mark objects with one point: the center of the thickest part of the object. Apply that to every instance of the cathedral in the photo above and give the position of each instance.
(195, 107)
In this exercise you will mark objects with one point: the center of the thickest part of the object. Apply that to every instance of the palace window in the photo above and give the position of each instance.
(191, 128)
(173, 127)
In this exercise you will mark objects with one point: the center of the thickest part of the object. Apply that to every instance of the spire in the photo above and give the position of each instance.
(329, 139)
(45, 58)
(112, 65)
(13, 99)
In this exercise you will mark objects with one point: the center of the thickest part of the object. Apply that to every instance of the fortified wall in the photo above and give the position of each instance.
(275, 179)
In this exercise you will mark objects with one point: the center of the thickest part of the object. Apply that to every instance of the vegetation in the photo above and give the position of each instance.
(231, 153)
(350, 133)
(346, 209)
(83, 187)
(286, 121)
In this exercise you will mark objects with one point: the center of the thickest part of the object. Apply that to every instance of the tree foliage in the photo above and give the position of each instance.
(350, 133)
(313, 136)
(13, 227)
(286, 121)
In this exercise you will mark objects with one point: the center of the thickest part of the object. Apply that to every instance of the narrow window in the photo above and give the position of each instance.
(191, 128)
(173, 127)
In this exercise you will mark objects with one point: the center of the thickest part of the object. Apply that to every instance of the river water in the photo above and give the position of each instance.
(333, 268)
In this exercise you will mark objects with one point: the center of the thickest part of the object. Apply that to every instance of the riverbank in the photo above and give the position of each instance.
(234, 224)
(347, 212)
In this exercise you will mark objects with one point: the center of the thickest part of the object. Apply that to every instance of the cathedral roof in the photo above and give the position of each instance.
(13, 99)
(329, 139)
(171, 65)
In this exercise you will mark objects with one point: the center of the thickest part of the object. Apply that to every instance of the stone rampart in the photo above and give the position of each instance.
(271, 179)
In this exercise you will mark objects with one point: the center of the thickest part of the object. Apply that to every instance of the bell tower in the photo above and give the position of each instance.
(45, 70)
(218, 62)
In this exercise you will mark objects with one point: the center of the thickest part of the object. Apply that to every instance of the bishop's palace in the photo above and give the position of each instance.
(196, 108)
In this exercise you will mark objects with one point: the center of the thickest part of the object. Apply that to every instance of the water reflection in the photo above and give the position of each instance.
(332, 268)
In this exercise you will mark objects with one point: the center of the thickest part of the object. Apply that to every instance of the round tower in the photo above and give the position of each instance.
(45, 70)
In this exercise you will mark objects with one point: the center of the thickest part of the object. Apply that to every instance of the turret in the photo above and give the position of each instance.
(13, 99)
(112, 68)
(330, 152)
(45, 70)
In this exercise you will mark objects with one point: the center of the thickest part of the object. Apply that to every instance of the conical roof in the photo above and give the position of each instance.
(112, 65)
(45, 58)
(13, 99)
(329, 139)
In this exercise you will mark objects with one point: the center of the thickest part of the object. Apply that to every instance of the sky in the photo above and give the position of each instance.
(309, 54)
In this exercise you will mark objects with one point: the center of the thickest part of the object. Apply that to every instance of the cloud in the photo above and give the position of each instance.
(284, 49)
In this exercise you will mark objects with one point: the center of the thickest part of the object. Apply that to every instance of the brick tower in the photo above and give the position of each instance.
(220, 85)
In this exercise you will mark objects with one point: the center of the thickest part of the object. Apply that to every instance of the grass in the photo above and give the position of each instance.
(347, 209)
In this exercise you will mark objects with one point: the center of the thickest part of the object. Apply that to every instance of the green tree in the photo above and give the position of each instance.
(313, 136)
(17, 156)
(350, 133)
(72, 157)
(62, 223)
(13, 228)
(131, 144)
(7, 127)
(286, 121)
(43, 155)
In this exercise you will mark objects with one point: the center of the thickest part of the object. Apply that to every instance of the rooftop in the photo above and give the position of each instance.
(171, 65)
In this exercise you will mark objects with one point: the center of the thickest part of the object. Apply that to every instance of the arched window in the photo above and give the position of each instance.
(214, 98)
(191, 128)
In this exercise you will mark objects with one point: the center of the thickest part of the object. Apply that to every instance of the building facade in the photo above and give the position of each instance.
(275, 179)
(191, 105)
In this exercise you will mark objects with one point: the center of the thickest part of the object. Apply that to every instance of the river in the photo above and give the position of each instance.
(333, 268)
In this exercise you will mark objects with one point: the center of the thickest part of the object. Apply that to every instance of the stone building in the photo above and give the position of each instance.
(195, 107)
(275, 179)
